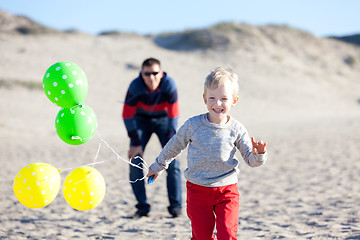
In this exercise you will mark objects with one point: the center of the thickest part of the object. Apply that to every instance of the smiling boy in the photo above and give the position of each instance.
(212, 168)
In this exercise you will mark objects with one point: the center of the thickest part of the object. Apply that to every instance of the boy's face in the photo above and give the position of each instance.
(219, 102)
(152, 76)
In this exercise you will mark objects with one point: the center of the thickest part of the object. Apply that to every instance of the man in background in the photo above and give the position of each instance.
(151, 106)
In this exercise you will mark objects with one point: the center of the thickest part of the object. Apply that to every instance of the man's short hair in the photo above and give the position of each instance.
(149, 62)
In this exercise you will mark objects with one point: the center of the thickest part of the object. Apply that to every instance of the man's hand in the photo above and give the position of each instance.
(259, 147)
(135, 150)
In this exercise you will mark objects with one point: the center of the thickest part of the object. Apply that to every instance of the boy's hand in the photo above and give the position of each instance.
(259, 147)
(151, 175)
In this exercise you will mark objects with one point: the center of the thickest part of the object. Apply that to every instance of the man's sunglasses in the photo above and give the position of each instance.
(149, 73)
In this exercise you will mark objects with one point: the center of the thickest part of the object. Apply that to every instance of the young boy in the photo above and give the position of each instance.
(212, 168)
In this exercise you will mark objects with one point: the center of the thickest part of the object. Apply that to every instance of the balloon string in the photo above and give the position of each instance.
(143, 164)
(76, 137)
(89, 174)
(85, 165)
(97, 153)
(122, 159)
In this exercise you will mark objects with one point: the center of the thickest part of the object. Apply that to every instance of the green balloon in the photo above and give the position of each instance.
(65, 84)
(76, 125)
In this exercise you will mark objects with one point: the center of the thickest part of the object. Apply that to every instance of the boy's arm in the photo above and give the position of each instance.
(171, 150)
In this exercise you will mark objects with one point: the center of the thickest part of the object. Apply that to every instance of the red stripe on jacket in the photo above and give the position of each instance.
(172, 109)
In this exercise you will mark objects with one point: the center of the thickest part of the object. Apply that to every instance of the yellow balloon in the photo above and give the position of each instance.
(37, 184)
(84, 188)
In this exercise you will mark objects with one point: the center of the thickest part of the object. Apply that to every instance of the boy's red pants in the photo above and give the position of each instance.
(209, 205)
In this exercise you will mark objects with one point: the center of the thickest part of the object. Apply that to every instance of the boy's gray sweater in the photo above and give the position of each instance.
(211, 160)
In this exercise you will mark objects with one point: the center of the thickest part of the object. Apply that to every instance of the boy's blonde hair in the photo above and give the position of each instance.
(218, 76)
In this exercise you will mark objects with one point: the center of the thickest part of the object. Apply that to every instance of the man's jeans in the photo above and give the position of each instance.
(146, 127)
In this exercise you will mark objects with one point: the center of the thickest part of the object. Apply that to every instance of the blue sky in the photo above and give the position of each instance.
(319, 17)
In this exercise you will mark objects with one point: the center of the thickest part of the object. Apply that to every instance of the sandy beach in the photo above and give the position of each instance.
(296, 92)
